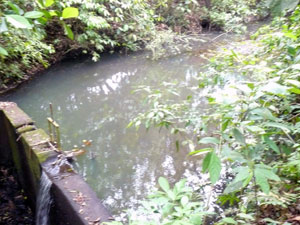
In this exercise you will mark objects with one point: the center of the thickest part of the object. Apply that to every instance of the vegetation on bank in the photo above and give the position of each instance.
(248, 135)
(35, 34)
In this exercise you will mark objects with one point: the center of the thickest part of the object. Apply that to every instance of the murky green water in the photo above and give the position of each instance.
(95, 101)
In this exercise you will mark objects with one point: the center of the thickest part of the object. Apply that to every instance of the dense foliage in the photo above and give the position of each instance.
(35, 34)
(243, 117)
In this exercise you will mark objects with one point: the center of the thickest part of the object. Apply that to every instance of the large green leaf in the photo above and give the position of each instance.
(70, 12)
(34, 14)
(233, 186)
(206, 162)
(278, 125)
(209, 140)
(3, 26)
(262, 174)
(214, 168)
(267, 173)
(48, 3)
(264, 113)
(3, 51)
(271, 144)
(15, 8)
(275, 88)
(262, 181)
(239, 136)
(164, 184)
(18, 21)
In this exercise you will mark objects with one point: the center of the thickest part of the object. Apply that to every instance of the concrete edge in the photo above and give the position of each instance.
(74, 202)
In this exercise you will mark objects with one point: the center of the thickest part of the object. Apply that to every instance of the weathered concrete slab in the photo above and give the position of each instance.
(74, 197)
(15, 115)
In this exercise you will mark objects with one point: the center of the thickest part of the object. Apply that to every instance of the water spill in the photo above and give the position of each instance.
(43, 200)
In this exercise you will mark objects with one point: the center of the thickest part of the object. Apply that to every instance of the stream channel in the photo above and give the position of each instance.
(94, 101)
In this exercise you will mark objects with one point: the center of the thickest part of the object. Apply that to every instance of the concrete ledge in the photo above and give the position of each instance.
(74, 202)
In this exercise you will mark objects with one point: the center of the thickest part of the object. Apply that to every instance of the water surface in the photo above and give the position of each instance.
(94, 101)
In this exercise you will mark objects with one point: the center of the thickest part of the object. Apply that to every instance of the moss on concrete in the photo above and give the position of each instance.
(25, 128)
(16, 116)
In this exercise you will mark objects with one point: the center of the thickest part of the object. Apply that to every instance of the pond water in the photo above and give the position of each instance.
(94, 101)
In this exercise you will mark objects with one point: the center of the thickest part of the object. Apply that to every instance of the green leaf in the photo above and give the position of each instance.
(239, 136)
(18, 21)
(271, 144)
(267, 173)
(3, 27)
(68, 31)
(228, 220)
(164, 184)
(214, 168)
(34, 14)
(195, 219)
(264, 113)
(206, 162)
(3, 51)
(233, 186)
(184, 200)
(209, 140)
(201, 151)
(243, 174)
(275, 88)
(294, 90)
(278, 125)
(295, 83)
(15, 8)
(48, 3)
(262, 181)
(70, 12)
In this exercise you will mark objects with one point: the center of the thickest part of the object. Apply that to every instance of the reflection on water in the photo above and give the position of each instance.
(95, 101)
